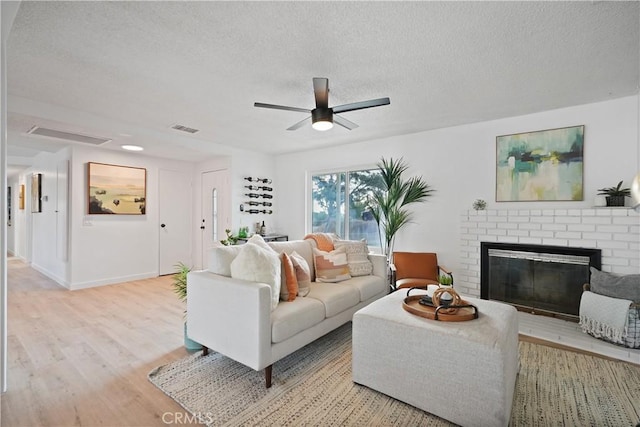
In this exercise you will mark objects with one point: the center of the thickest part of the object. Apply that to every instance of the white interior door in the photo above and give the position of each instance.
(175, 220)
(216, 208)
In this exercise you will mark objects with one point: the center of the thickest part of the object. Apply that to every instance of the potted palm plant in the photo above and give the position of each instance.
(180, 288)
(388, 204)
(615, 195)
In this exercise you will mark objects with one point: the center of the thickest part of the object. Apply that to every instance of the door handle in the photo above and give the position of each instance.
(202, 227)
(162, 225)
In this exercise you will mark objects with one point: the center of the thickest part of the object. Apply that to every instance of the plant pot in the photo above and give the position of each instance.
(190, 344)
(615, 200)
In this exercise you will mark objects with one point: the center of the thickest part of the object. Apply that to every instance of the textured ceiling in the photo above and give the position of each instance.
(130, 70)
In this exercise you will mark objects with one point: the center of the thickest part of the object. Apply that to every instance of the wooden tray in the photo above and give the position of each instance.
(465, 311)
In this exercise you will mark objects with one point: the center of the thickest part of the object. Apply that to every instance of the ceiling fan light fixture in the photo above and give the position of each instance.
(322, 116)
(322, 119)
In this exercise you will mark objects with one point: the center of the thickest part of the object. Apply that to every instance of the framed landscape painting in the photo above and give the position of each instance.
(116, 190)
(543, 165)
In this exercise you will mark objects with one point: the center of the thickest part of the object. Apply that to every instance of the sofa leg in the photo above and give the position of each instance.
(267, 375)
(205, 350)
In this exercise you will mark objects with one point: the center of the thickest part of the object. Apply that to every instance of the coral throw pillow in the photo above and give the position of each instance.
(289, 286)
(331, 266)
(303, 273)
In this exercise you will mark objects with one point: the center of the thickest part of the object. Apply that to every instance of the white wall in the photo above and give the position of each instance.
(108, 249)
(459, 163)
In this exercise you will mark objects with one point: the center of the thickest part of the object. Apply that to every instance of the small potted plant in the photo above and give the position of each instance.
(479, 205)
(180, 288)
(446, 280)
(615, 195)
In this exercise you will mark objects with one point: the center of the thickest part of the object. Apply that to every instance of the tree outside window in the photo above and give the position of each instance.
(340, 204)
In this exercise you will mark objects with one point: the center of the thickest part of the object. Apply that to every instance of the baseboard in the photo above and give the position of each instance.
(59, 280)
(112, 280)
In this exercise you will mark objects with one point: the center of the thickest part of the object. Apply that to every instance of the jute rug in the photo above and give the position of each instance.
(313, 386)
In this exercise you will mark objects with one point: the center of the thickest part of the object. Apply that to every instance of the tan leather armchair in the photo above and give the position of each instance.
(412, 269)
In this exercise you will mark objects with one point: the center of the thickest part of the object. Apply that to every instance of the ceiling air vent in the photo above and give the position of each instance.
(52, 133)
(184, 128)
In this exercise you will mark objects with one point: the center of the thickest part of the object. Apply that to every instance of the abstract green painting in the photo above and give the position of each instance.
(543, 165)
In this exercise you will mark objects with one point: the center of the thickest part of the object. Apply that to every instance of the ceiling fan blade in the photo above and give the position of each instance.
(299, 124)
(281, 107)
(344, 122)
(321, 90)
(361, 105)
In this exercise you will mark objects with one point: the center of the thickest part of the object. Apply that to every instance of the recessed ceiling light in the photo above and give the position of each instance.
(132, 147)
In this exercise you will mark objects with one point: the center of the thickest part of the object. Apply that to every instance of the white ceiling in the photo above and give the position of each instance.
(130, 70)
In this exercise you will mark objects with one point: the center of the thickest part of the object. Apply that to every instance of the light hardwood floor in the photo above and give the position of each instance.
(81, 358)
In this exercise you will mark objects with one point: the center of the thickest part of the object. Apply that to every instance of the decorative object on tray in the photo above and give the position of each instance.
(615, 195)
(445, 305)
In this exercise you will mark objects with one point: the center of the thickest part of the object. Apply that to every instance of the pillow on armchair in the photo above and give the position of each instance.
(622, 287)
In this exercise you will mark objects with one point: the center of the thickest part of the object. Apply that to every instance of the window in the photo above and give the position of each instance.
(339, 204)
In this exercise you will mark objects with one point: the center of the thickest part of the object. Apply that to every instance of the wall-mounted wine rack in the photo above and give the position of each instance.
(261, 191)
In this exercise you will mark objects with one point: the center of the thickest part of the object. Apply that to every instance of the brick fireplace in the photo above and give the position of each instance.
(614, 231)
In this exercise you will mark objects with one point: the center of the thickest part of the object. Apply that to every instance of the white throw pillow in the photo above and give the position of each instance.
(220, 259)
(357, 256)
(257, 239)
(257, 264)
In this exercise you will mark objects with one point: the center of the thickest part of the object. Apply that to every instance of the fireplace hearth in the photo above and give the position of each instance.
(540, 279)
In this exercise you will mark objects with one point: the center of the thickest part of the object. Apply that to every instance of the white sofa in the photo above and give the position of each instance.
(234, 317)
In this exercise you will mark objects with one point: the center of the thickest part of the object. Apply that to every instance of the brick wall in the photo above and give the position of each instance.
(616, 231)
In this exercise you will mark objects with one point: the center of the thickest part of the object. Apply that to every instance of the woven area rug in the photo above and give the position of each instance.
(313, 386)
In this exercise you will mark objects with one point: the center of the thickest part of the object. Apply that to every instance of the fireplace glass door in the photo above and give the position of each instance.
(549, 282)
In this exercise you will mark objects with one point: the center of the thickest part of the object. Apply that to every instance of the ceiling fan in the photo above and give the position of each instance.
(322, 117)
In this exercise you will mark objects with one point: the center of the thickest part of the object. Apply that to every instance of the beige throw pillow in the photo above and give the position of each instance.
(357, 256)
(331, 266)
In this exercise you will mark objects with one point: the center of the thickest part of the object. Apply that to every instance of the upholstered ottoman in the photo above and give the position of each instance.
(464, 372)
